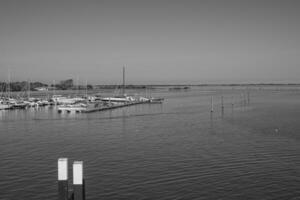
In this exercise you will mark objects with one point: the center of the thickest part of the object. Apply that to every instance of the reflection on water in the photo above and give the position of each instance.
(177, 150)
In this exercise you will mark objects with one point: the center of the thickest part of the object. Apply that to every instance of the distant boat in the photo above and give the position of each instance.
(179, 88)
(19, 105)
(59, 99)
(156, 100)
(121, 99)
(81, 107)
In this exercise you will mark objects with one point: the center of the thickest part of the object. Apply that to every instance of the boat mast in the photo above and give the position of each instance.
(123, 81)
(54, 87)
(8, 86)
(77, 86)
(86, 88)
(28, 86)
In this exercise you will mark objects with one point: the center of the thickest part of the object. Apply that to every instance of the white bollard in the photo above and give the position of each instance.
(78, 182)
(63, 179)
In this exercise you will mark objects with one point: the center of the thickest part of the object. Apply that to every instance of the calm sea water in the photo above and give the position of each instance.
(177, 150)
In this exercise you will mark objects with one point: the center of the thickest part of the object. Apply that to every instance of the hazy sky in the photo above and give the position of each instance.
(158, 41)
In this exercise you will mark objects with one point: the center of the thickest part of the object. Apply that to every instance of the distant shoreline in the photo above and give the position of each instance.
(195, 85)
(68, 85)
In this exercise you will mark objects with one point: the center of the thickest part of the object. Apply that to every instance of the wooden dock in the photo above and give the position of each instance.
(114, 107)
(87, 109)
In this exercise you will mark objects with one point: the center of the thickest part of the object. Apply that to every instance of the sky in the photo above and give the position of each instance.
(158, 42)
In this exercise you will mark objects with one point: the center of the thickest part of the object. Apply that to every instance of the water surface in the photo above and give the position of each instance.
(177, 150)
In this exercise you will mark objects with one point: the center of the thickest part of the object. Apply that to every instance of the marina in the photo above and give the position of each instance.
(76, 104)
(106, 103)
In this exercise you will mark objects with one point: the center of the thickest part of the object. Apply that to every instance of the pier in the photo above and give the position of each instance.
(114, 107)
(102, 106)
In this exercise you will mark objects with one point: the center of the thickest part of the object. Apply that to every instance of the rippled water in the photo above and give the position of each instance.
(178, 150)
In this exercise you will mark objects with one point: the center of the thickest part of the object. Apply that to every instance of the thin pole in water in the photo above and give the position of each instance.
(248, 96)
(242, 99)
(62, 179)
(222, 105)
(212, 104)
(232, 103)
(222, 102)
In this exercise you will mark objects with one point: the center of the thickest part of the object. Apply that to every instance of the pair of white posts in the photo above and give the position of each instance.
(78, 181)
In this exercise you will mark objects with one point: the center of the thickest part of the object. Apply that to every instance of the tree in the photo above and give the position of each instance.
(65, 85)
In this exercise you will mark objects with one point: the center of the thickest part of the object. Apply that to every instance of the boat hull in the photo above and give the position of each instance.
(5, 107)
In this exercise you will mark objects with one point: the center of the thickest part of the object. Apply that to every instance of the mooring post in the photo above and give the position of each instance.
(248, 96)
(222, 105)
(78, 182)
(242, 101)
(212, 104)
(222, 102)
(62, 179)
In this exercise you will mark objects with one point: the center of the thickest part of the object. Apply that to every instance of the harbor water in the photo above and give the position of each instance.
(175, 150)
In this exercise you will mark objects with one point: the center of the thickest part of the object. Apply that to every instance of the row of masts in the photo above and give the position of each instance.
(8, 89)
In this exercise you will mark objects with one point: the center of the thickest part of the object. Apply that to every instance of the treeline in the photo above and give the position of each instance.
(69, 85)
(121, 86)
(21, 86)
(34, 86)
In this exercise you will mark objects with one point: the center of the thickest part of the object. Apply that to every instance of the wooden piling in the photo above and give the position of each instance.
(78, 182)
(222, 102)
(62, 179)
(248, 96)
(222, 105)
(242, 100)
(212, 104)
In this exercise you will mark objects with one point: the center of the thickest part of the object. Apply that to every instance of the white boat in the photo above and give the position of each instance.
(4, 106)
(123, 98)
(43, 103)
(31, 103)
(143, 99)
(19, 105)
(72, 108)
(156, 100)
(81, 107)
(59, 99)
(12, 101)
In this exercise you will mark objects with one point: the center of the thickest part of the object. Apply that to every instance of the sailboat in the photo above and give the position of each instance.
(4, 102)
(119, 99)
(4, 105)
